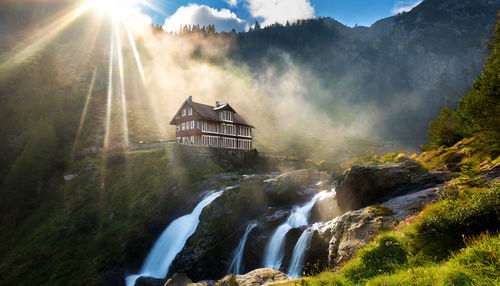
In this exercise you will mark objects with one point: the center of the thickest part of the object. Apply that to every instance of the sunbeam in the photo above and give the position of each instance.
(41, 38)
(153, 7)
(136, 54)
(84, 113)
(110, 93)
(122, 85)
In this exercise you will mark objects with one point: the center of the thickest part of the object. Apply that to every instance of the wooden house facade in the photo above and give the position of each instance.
(212, 126)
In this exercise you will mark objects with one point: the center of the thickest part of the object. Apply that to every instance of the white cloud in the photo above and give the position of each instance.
(224, 19)
(280, 11)
(404, 6)
(232, 3)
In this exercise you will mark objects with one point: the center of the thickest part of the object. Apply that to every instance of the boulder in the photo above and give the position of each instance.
(407, 205)
(179, 279)
(294, 187)
(365, 185)
(256, 277)
(149, 281)
(324, 210)
(347, 233)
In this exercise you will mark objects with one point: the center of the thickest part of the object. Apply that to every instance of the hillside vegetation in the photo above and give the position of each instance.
(456, 240)
(102, 217)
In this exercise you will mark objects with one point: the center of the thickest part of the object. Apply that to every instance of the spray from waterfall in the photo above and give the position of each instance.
(275, 249)
(171, 242)
(236, 265)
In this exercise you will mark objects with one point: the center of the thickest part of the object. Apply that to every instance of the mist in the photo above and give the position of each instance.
(352, 96)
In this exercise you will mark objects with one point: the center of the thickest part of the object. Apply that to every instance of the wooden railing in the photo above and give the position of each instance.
(164, 144)
(278, 157)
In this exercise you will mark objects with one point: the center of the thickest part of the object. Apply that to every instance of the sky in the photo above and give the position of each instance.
(242, 14)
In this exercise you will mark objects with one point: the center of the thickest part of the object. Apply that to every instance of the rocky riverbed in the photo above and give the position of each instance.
(368, 200)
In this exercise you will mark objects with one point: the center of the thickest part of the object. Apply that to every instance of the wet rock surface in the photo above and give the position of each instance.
(208, 253)
(254, 278)
(179, 279)
(268, 203)
(366, 185)
(347, 233)
(148, 281)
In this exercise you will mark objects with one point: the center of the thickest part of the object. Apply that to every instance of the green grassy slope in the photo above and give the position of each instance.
(99, 218)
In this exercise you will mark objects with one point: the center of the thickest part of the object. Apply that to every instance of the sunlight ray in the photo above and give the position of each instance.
(41, 38)
(159, 126)
(110, 93)
(84, 112)
(82, 56)
(136, 53)
(153, 7)
(122, 85)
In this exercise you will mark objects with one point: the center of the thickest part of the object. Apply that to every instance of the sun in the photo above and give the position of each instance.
(117, 9)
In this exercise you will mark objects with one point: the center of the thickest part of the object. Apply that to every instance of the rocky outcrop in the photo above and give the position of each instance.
(294, 187)
(149, 281)
(365, 185)
(254, 278)
(347, 233)
(209, 251)
(179, 279)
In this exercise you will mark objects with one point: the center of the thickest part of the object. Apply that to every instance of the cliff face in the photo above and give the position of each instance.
(407, 65)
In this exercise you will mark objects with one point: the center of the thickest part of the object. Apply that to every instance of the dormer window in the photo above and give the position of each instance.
(226, 116)
(190, 111)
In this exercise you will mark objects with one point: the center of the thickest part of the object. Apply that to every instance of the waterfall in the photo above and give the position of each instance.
(275, 249)
(297, 263)
(171, 242)
(235, 267)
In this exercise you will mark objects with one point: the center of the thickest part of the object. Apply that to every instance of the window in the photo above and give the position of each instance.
(245, 131)
(192, 139)
(192, 124)
(245, 144)
(178, 139)
(198, 124)
(190, 111)
(183, 112)
(178, 127)
(226, 116)
(183, 126)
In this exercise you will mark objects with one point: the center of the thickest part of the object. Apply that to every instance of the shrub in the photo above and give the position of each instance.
(442, 227)
(382, 256)
(475, 265)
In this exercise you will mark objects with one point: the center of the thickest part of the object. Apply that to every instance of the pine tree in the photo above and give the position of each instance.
(478, 112)
(256, 26)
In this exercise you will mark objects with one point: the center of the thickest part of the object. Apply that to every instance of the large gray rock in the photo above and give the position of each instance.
(294, 187)
(256, 277)
(365, 185)
(347, 233)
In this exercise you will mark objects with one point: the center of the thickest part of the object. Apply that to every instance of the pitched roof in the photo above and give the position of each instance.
(210, 113)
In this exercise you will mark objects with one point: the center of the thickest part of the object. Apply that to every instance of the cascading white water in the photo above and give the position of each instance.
(275, 249)
(235, 267)
(171, 242)
(297, 262)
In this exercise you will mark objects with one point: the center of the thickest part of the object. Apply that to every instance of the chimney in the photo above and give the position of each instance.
(217, 104)
(190, 100)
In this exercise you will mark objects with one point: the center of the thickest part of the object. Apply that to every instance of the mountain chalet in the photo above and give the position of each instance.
(212, 126)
